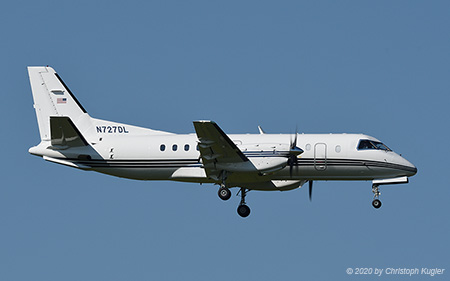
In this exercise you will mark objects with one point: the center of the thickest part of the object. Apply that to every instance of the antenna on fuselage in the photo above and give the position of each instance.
(261, 131)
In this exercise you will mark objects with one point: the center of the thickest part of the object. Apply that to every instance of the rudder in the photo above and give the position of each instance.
(52, 98)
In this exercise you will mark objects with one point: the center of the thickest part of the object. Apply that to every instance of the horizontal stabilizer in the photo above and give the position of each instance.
(64, 133)
(66, 162)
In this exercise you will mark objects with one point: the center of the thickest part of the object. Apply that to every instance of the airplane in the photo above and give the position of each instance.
(266, 162)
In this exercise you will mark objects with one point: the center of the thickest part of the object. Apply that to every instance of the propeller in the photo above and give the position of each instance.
(310, 189)
(294, 151)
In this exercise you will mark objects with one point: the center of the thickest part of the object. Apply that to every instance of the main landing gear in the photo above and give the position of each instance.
(376, 203)
(243, 210)
(225, 194)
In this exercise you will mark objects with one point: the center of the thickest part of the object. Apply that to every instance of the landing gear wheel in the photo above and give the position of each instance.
(376, 203)
(224, 193)
(243, 211)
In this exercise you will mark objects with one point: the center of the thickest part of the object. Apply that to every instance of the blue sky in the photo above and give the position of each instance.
(376, 67)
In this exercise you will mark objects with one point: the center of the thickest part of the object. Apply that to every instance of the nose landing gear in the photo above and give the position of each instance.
(376, 203)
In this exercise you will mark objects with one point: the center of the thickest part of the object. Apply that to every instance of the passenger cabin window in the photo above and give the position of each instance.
(162, 147)
(370, 144)
(174, 147)
(186, 147)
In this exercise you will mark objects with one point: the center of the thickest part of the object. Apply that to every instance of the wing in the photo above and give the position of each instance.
(217, 150)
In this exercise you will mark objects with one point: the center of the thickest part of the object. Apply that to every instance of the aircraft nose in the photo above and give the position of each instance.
(410, 169)
(413, 171)
(405, 167)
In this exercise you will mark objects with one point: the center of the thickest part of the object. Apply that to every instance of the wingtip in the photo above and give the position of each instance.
(204, 121)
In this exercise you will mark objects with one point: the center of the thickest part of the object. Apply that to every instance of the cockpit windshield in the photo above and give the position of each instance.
(370, 144)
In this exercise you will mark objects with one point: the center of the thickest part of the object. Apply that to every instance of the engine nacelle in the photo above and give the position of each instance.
(256, 164)
(269, 164)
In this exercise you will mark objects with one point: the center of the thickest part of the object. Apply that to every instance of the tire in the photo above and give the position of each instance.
(243, 211)
(376, 203)
(224, 193)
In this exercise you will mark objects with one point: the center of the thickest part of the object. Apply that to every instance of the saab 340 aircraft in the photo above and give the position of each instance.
(69, 136)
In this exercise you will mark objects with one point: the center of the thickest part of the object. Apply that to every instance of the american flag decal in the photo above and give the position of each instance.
(61, 100)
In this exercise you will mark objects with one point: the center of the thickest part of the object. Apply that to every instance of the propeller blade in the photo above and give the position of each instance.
(291, 166)
(294, 143)
(294, 151)
(310, 190)
(292, 160)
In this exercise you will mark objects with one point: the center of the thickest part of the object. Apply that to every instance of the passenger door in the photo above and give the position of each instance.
(320, 156)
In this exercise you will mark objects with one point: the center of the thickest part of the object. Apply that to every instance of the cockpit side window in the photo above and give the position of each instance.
(365, 144)
(370, 144)
(381, 146)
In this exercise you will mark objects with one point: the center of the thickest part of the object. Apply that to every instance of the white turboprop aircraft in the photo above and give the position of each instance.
(69, 136)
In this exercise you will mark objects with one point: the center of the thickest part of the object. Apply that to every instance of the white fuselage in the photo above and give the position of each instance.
(175, 157)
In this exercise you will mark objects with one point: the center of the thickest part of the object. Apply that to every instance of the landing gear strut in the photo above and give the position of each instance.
(224, 192)
(376, 203)
(243, 210)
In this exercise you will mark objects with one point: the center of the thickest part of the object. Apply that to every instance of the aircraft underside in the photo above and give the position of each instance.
(306, 170)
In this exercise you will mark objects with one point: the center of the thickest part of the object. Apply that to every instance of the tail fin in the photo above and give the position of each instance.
(52, 98)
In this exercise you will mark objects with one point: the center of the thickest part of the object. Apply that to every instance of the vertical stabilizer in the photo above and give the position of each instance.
(53, 98)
